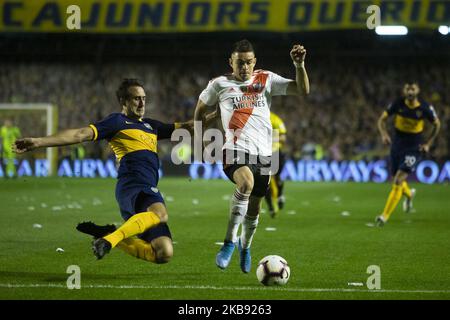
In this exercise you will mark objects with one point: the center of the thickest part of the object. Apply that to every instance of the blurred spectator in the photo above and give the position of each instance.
(339, 115)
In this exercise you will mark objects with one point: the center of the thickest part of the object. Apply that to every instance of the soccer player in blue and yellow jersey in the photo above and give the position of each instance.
(408, 144)
(134, 142)
(8, 134)
(274, 197)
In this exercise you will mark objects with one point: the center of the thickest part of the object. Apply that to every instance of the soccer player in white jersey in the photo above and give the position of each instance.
(244, 99)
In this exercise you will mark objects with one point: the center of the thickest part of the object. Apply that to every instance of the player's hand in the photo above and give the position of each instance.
(386, 139)
(188, 125)
(424, 147)
(298, 53)
(24, 145)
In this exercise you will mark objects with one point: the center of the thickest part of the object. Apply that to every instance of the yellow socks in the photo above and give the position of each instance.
(406, 190)
(393, 199)
(138, 248)
(133, 226)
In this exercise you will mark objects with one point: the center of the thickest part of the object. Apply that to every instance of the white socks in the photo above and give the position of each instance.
(249, 225)
(238, 209)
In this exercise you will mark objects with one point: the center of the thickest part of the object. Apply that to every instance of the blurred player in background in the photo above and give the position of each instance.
(9, 133)
(408, 144)
(274, 197)
(244, 98)
(134, 141)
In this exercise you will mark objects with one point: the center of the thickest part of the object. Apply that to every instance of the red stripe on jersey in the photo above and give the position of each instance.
(238, 120)
(241, 116)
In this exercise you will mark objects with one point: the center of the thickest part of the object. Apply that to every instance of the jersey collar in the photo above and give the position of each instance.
(415, 105)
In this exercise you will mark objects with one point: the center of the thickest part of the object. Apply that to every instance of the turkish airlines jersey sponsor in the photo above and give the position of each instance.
(245, 109)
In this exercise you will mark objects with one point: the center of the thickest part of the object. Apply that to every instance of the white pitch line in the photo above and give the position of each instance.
(284, 289)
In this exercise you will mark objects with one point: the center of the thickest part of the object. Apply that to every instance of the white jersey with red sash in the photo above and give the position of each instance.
(245, 109)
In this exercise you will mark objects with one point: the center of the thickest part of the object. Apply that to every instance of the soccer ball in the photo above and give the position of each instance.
(273, 270)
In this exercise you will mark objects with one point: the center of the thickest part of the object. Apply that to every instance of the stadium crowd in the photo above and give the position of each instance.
(336, 121)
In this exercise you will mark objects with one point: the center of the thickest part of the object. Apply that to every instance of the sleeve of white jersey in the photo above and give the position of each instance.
(209, 95)
(279, 84)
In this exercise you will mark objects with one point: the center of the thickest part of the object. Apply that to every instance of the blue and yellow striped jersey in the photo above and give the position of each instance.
(409, 120)
(134, 143)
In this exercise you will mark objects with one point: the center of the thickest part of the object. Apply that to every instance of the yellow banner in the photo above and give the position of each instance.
(170, 16)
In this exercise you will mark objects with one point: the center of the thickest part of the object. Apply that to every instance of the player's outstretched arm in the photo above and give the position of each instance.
(434, 132)
(301, 84)
(200, 112)
(200, 115)
(381, 124)
(211, 117)
(189, 125)
(63, 138)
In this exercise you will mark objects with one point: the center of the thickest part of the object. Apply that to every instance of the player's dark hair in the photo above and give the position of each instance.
(243, 46)
(122, 93)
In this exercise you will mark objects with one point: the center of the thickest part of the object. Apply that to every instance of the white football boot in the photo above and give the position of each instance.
(379, 221)
(408, 202)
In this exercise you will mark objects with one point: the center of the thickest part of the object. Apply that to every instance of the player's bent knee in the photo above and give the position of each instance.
(160, 210)
(243, 178)
(245, 186)
(163, 259)
(164, 254)
(163, 249)
(163, 217)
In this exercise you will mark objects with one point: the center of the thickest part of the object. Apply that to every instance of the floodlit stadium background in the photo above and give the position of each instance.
(176, 48)
(326, 231)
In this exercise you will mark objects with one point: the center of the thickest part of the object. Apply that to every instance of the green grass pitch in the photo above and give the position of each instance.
(325, 249)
